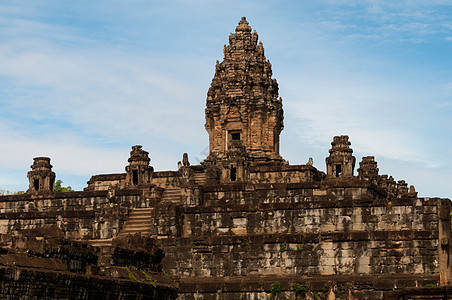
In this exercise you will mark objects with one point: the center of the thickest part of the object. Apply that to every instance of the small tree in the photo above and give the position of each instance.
(59, 188)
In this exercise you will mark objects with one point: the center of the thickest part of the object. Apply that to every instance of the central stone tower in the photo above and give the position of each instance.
(244, 116)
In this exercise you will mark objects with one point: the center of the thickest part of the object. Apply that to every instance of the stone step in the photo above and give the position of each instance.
(144, 232)
(137, 227)
(101, 242)
(140, 217)
(147, 220)
(172, 193)
(140, 214)
(200, 177)
(145, 209)
(137, 230)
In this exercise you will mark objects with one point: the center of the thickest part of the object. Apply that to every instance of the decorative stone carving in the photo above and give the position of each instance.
(41, 178)
(185, 161)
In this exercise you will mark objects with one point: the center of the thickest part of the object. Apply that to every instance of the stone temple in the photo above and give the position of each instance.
(244, 224)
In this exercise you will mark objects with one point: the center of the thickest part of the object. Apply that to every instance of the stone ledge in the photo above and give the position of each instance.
(53, 195)
(163, 174)
(397, 235)
(13, 260)
(309, 204)
(260, 186)
(108, 177)
(282, 168)
(263, 283)
(440, 292)
(82, 214)
(50, 284)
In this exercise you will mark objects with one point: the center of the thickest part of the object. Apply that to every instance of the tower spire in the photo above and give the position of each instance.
(243, 112)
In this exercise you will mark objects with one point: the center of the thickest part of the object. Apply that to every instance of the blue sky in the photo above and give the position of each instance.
(83, 81)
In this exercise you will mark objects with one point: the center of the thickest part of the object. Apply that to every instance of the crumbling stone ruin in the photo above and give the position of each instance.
(244, 224)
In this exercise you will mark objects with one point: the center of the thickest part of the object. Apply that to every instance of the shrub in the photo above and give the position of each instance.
(300, 289)
(275, 288)
(283, 248)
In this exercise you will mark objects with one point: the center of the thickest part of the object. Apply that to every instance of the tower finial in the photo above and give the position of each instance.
(243, 26)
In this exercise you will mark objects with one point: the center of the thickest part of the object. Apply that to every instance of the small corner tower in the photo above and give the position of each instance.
(341, 162)
(368, 170)
(41, 178)
(139, 171)
(243, 110)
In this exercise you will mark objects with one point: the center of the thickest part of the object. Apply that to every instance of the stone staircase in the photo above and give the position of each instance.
(140, 221)
(200, 178)
(171, 195)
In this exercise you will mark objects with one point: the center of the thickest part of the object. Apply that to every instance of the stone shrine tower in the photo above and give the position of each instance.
(139, 171)
(341, 162)
(244, 116)
(41, 178)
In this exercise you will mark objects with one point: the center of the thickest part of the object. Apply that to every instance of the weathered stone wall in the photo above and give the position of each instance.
(105, 181)
(75, 215)
(237, 194)
(281, 233)
(356, 287)
(29, 283)
(308, 238)
(114, 181)
(56, 268)
(235, 241)
(284, 174)
(311, 217)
